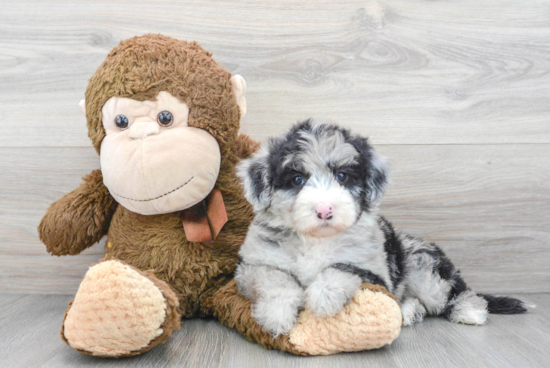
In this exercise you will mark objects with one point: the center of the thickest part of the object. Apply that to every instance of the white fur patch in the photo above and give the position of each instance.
(469, 308)
(413, 311)
(331, 291)
(344, 208)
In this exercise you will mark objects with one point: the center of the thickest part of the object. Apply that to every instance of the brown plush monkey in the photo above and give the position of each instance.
(164, 117)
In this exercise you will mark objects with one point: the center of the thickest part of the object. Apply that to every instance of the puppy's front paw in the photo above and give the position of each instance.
(326, 301)
(275, 317)
(413, 312)
(327, 295)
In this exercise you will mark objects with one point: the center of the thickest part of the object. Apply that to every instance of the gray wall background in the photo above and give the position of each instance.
(455, 93)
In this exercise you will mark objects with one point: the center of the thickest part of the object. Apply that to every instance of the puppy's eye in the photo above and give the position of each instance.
(165, 118)
(341, 177)
(121, 122)
(298, 181)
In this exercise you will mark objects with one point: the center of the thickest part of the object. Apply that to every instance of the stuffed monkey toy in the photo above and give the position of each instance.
(164, 118)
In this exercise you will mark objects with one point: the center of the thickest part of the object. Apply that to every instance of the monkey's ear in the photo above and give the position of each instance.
(239, 88)
(254, 174)
(82, 105)
(377, 180)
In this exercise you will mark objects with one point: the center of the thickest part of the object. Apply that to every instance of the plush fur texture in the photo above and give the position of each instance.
(141, 309)
(317, 235)
(90, 208)
(370, 320)
(194, 279)
(140, 67)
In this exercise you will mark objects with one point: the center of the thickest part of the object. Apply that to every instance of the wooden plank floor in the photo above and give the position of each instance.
(29, 337)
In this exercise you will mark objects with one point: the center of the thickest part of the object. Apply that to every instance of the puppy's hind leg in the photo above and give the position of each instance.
(471, 308)
(468, 308)
(413, 311)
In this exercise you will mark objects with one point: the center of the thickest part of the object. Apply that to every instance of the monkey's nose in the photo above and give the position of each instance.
(142, 129)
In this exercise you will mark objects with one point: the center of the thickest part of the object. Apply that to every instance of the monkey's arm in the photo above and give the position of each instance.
(245, 146)
(79, 219)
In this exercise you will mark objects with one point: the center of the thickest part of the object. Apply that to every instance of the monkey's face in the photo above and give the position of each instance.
(152, 161)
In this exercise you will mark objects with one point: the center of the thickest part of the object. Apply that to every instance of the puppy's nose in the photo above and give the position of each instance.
(324, 211)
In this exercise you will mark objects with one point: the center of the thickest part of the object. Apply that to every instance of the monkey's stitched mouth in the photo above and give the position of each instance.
(160, 196)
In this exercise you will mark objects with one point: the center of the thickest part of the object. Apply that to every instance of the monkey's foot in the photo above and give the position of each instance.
(371, 320)
(120, 311)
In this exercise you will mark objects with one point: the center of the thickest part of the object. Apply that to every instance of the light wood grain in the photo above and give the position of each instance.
(31, 180)
(456, 94)
(488, 206)
(422, 72)
(29, 336)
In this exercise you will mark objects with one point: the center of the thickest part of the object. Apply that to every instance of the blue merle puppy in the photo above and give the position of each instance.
(317, 236)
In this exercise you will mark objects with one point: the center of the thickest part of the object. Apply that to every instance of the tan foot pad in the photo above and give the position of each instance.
(371, 320)
(116, 311)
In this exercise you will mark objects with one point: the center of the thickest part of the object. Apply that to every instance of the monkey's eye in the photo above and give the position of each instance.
(298, 181)
(341, 177)
(121, 122)
(165, 118)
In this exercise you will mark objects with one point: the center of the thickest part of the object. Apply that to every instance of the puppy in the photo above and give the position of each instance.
(317, 236)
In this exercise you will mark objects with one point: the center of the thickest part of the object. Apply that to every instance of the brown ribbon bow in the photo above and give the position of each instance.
(204, 221)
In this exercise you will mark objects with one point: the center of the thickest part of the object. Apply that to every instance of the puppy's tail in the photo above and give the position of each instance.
(504, 305)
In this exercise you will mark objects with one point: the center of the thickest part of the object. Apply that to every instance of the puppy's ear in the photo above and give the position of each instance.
(377, 169)
(254, 174)
(377, 180)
